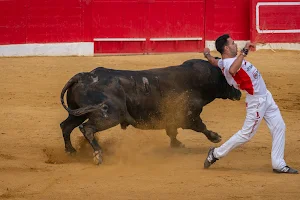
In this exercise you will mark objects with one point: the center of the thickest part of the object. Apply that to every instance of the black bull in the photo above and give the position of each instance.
(165, 98)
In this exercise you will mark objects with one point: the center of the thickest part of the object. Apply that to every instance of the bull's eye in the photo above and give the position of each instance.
(105, 107)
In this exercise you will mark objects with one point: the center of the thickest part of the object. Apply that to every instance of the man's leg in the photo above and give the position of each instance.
(255, 111)
(277, 128)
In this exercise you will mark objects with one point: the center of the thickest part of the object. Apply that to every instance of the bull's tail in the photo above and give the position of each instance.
(79, 111)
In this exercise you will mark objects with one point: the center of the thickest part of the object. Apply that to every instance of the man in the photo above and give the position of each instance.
(259, 102)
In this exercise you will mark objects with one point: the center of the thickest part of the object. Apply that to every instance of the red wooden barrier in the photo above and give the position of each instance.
(143, 26)
(275, 21)
(148, 26)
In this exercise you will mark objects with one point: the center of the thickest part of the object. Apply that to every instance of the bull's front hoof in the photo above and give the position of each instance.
(215, 137)
(217, 140)
(98, 159)
(177, 144)
(71, 151)
(124, 125)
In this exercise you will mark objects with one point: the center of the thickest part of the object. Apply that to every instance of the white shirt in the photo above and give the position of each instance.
(247, 77)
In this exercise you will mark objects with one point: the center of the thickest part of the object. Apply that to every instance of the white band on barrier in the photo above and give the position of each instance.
(176, 39)
(119, 39)
(274, 4)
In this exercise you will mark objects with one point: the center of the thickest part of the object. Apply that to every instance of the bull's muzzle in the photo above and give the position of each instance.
(237, 96)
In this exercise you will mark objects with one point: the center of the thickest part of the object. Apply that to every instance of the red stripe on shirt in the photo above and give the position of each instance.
(244, 81)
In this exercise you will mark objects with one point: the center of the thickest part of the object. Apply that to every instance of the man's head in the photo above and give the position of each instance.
(226, 46)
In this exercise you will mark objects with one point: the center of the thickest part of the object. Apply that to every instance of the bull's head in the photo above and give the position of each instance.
(231, 93)
(227, 91)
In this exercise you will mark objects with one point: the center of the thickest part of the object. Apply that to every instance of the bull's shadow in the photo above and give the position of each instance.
(165, 98)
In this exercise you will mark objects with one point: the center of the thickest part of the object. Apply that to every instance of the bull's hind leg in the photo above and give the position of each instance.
(172, 133)
(88, 129)
(196, 124)
(94, 125)
(67, 127)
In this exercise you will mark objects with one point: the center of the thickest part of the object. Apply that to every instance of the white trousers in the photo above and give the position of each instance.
(259, 107)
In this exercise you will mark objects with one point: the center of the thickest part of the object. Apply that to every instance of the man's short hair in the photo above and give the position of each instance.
(221, 42)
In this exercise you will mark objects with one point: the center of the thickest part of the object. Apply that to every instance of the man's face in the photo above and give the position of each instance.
(231, 47)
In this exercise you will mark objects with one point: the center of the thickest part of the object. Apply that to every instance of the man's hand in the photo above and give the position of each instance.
(211, 60)
(250, 46)
(206, 52)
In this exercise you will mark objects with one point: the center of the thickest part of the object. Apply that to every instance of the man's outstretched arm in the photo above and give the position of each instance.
(211, 59)
(236, 65)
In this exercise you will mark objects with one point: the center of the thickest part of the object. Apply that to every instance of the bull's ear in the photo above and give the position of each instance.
(217, 58)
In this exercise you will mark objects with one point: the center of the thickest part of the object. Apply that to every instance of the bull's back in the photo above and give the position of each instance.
(192, 71)
(147, 90)
(149, 93)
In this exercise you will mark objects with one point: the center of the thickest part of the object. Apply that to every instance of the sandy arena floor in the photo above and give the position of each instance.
(138, 164)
